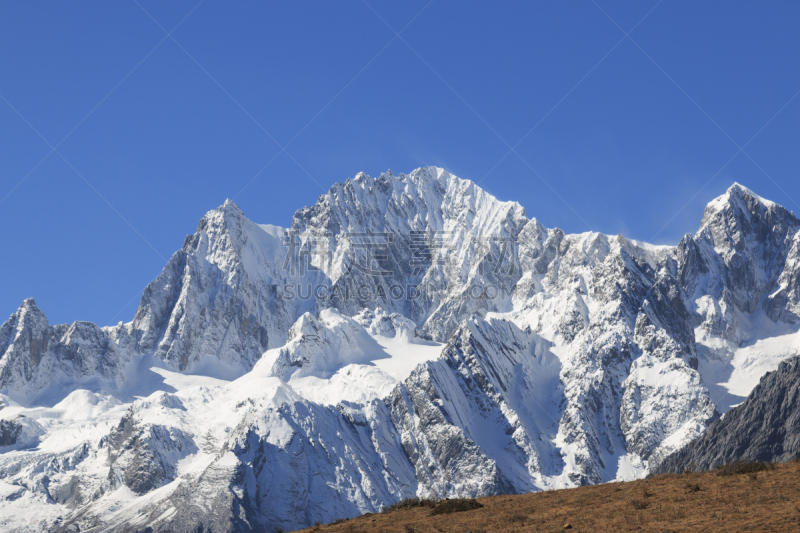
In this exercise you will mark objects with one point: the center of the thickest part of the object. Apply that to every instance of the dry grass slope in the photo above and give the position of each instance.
(745, 497)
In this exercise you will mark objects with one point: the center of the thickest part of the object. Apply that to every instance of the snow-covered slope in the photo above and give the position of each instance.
(406, 335)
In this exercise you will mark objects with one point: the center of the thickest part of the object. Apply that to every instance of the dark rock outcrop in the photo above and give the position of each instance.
(9, 432)
(766, 427)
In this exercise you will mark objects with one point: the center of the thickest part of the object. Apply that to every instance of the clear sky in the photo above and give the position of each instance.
(611, 133)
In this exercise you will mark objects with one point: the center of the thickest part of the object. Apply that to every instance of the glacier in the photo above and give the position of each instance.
(407, 335)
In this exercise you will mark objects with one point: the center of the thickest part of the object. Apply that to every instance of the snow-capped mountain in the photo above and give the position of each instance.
(406, 335)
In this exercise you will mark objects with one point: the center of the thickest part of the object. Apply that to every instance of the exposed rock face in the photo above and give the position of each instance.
(217, 297)
(215, 302)
(766, 427)
(35, 353)
(144, 456)
(567, 360)
(392, 325)
(621, 328)
(441, 234)
(784, 304)
(24, 340)
(745, 244)
(466, 428)
(9, 432)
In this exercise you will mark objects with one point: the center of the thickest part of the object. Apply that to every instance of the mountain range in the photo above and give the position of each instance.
(406, 335)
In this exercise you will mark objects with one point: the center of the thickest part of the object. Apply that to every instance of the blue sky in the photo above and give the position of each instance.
(613, 134)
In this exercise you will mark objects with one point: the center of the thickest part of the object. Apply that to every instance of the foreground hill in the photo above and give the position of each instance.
(766, 500)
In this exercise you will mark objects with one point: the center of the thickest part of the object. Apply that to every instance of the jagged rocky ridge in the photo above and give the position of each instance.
(766, 427)
(596, 358)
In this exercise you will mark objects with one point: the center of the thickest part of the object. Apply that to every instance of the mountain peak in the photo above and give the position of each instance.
(229, 207)
(29, 311)
(28, 303)
(740, 191)
(221, 216)
(428, 178)
(738, 202)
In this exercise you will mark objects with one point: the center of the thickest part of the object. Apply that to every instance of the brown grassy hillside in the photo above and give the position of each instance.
(766, 500)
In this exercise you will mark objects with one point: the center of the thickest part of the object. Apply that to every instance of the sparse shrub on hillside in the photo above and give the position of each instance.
(692, 487)
(456, 506)
(409, 503)
(518, 518)
(740, 467)
(639, 505)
